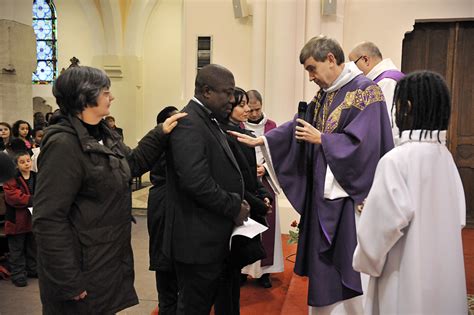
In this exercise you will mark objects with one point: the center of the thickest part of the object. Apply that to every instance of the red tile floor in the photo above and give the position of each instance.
(288, 294)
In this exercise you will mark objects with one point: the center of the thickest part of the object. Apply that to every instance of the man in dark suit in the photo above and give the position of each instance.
(204, 192)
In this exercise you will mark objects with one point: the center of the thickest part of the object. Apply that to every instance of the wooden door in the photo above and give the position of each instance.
(447, 47)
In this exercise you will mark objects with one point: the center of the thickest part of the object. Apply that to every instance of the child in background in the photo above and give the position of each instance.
(409, 233)
(22, 129)
(5, 135)
(18, 226)
(37, 135)
(37, 138)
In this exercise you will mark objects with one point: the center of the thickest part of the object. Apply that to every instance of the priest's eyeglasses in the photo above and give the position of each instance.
(355, 62)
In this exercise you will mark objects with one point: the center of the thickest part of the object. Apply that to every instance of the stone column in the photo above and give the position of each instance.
(280, 103)
(17, 63)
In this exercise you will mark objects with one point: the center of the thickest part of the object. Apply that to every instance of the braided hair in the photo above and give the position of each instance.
(422, 102)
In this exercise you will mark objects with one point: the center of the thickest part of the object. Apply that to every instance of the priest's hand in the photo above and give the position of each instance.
(243, 214)
(306, 132)
(171, 122)
(246, 139)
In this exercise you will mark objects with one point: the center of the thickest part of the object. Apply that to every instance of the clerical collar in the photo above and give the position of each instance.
(349, 72)
(256, 122)
(195, 99)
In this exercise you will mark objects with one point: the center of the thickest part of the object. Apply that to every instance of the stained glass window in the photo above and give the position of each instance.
(44, 25)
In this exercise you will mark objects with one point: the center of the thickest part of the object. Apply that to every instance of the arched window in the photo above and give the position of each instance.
(44, 24)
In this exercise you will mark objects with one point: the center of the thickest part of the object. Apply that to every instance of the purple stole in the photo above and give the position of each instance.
(389, 74)
(268, 237)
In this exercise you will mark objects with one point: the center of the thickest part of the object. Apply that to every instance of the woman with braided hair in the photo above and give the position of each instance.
(409, 234)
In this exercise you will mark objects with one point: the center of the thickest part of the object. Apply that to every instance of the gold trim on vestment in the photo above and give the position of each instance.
(359, 99)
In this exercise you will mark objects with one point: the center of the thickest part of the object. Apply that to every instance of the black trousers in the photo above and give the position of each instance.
(22, 248)
(228, 295)
(197, 286)
(167, 287)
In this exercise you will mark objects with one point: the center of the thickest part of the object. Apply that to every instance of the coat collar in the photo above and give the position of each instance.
(210, 122)
(89, 144)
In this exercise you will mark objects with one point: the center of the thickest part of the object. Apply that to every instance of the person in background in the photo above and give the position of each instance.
(82, 216)
(19, 193)
(39, 120)
(47, 117)
(5, 135)
(259, 124)
(243, 251)
(37, 138)
(368, 58)
(409, 235)
(165, 275)
(22, 129)
(110, 120)
(16, 145)
(37, 135)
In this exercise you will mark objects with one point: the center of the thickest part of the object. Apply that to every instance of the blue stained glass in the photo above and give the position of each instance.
(44, 25)
(43, 29)
(44, 50)
(41, 10)
(44, 71)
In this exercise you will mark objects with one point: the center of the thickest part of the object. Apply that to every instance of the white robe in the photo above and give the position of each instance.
(256, 270)
(387, 86)
(409, 234)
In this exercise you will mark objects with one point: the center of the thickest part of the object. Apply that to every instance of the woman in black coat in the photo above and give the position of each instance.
(249, 251)
(82, 206)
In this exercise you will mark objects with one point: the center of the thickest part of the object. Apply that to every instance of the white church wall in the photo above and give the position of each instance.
(385, 22)
(162, 61)
(231, 39)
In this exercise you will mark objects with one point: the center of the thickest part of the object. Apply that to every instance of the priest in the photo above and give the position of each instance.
(325, 164)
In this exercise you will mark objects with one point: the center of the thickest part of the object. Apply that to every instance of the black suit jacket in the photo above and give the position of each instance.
(204, 190)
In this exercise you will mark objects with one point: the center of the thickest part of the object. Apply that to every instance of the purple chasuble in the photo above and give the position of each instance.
(389, 74)
(356, 134)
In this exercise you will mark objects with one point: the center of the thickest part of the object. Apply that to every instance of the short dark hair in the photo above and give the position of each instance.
(165, 113)
(78, 87)
(35, 130)
(423, 103)
(16, 145)
(319, 47)
(16, 128)
(109, 118)
(18, 154)
(255, 94)
(211, 75)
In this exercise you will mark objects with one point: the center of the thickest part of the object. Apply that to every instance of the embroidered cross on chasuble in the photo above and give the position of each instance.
(327, 113)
